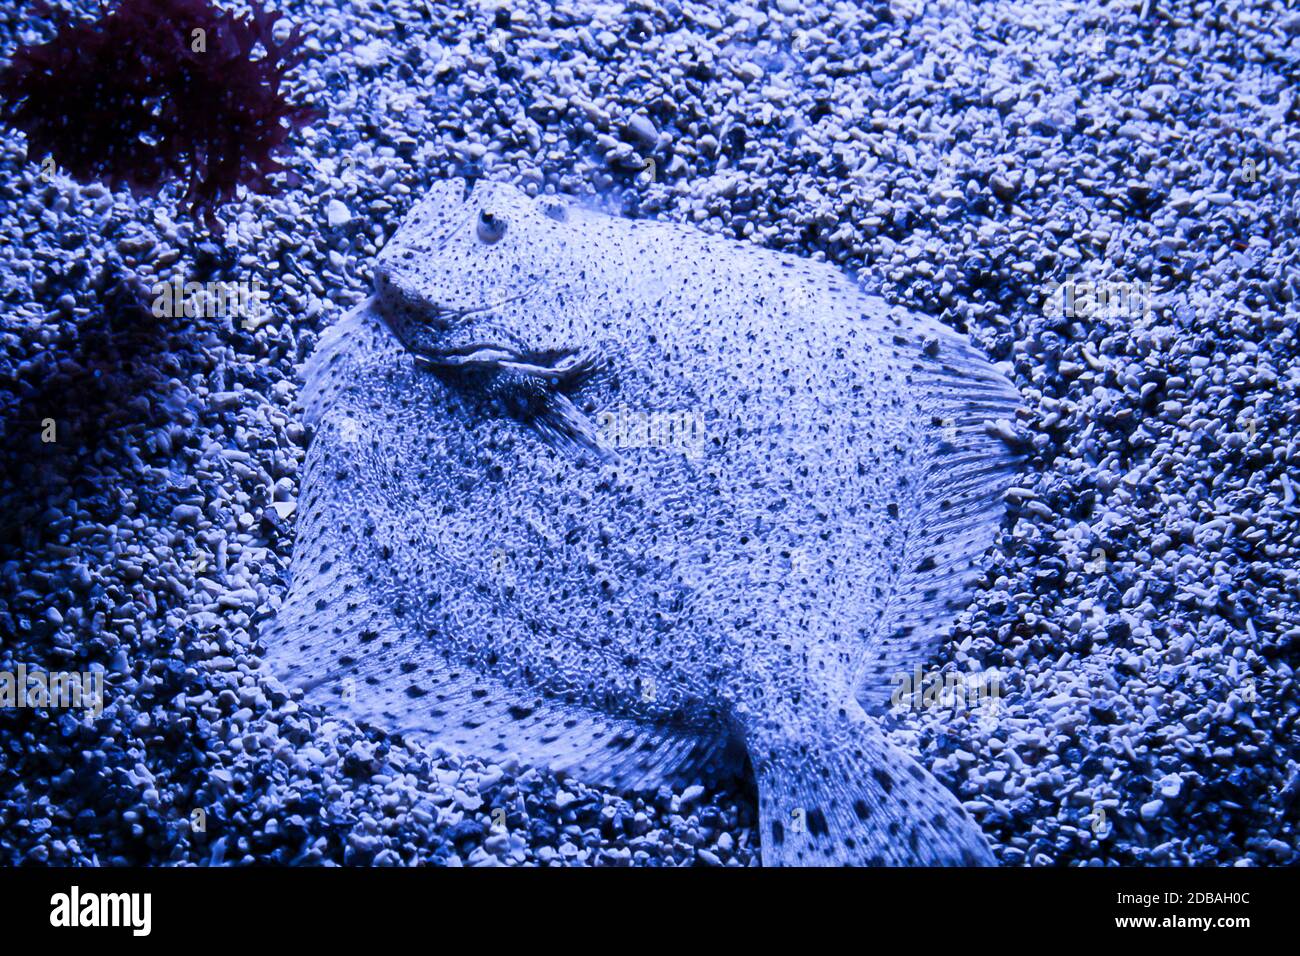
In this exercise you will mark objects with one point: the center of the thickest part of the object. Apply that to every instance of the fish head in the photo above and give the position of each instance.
(455, 280)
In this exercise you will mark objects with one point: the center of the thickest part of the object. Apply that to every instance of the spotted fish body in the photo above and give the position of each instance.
(499, 551)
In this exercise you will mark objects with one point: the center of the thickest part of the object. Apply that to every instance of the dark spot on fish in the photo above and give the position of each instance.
(817, 822)
(884, 779)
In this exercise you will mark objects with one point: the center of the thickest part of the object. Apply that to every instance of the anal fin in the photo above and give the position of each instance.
(363, 665)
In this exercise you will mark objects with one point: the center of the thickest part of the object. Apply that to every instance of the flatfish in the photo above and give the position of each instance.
(645, 506)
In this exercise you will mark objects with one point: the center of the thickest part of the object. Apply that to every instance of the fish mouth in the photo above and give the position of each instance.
(468, 342)
(557, 365)
(459, 339)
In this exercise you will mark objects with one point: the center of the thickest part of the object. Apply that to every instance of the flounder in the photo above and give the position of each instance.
(646, 506)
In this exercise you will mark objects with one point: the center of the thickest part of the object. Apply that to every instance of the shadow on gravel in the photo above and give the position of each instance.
(107, 380)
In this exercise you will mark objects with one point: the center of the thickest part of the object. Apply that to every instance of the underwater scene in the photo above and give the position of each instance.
(649, 434)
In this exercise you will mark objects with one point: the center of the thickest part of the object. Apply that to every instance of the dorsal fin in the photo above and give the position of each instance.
(953, 514)
(358, 661)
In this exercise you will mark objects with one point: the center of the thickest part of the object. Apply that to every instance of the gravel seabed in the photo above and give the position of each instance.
(1140, 607)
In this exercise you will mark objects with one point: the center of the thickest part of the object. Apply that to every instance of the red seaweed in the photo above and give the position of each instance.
(160, 90)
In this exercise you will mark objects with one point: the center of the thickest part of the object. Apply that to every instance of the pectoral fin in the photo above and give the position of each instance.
(563, 426)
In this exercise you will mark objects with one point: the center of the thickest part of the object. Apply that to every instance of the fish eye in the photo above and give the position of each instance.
(491, 227)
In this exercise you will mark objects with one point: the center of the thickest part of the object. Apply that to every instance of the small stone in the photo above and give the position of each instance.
(690, 795)
(337, 214)
(1171, 786)
(643, 130)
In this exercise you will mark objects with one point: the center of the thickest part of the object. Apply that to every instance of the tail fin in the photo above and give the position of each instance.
(845, 796)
